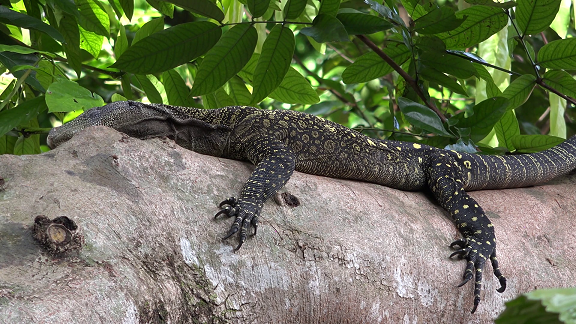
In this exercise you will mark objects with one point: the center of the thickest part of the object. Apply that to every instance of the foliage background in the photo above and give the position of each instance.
(470, 76)
(474, 75)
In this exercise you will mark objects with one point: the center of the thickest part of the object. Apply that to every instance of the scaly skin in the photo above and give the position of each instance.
(281, 141)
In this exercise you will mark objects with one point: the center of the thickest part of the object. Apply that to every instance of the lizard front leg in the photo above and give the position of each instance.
(274, 165)
(479, 243)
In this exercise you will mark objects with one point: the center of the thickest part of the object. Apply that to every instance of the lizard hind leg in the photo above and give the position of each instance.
(445, 180)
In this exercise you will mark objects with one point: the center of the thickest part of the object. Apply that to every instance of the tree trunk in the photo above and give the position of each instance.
(351, 252)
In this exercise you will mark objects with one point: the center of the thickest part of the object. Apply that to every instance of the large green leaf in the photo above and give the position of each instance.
(535, 143)
(453, 65)
(326, 28)
(294, 8)
(421, 116)
(485, 116)
(65, 96)
(128, 7)
(558, 54)
(155, 25)
(238, 92)
(258, 7)
(28, 110)
(534, 16)
(482, 22)
(205, 8)
(506, 129)
(519, 91)
(357, 23)
(295, 89)
(561, 81)
(225, 59)
(437, 21)
(176, 89)
(93, 18)
(169, 48)
(371, 66)
(91, 42)
(329, 7)
(491, 3)
(70, 29)
(12, 17)
(273, 63)
(430, 74)
(151, 86)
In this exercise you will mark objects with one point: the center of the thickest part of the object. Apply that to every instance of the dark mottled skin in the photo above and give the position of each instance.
(281, 141)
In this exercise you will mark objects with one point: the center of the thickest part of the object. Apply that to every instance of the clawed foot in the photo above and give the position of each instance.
(475, 253)
(244, 218)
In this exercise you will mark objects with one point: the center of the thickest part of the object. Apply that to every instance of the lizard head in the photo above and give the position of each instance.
(115, 115)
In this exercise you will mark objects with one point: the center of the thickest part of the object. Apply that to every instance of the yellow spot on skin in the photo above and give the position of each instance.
(417, 146)
(468, 164)
(474, 219)
(370, 142)
(398, 148)
(465, 206)
(488, 242)
(456, 211)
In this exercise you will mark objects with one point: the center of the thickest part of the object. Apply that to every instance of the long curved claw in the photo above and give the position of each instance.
(232, 201)
(497, 273)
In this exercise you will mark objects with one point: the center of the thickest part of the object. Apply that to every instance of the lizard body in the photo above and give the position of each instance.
(281, 141)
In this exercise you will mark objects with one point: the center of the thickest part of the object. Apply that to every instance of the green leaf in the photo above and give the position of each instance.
(326, 28)
(507, 128)
(93, 18)
(10, 118)
(47, 73)
(13, 60)
(437, 21)
(176, 90)
(492, 89)
(371, 66)
(294, 8)
(534, 16)
(558, 54)
(71, 31)
(121, 44)
(421, 117)
(7, 144)
(485, 116)
(21, 50)
(238, 92)
(453, 65)
(65, 96)
(258, 7)
(128, 7)
(91, 42)
(414, 9)
(490, 3)
(150, 85)
(329, 7)
(163, 7)
(295, 89)
(535, 143)
(169, 48)
(205, 8)
(519, 91)
(482, 22)
(218, 99)
(225, 59)
(274, 62)
(153, 26)
(433, 75)
(357, 23)
(12, 17)
(561, 81)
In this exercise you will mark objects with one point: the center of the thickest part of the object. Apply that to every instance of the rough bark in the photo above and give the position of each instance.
(351, 252)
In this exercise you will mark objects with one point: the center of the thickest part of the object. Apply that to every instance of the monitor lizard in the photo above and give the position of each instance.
(281, 141)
